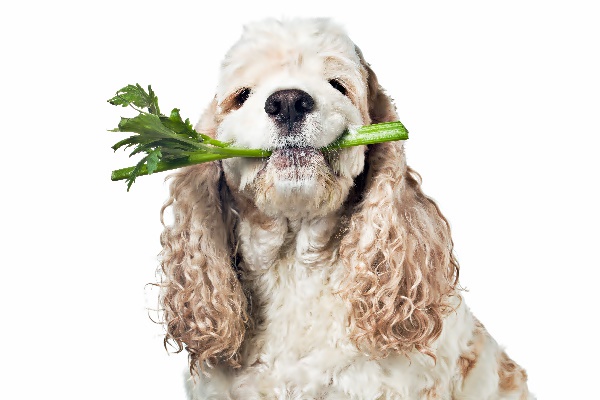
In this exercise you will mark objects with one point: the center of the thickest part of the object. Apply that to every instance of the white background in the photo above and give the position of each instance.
(502, 102)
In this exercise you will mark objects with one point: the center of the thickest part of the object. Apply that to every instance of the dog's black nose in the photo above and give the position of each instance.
(289, 106)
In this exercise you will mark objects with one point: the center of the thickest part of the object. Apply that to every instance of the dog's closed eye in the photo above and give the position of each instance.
(337, 85)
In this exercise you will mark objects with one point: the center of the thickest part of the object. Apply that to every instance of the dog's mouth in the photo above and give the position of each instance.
(299, 156)
(296, 165)
(295, 157)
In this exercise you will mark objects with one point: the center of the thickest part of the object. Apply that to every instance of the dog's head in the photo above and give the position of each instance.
(294, 87)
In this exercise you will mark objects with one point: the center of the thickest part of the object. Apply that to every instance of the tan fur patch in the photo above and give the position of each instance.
(524, 395)
(512, 376)
(247, 210)
(430, 393)
(467, 360)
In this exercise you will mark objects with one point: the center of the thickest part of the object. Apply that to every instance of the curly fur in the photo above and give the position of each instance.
(399, 253)
(204, 304)
(331, 278)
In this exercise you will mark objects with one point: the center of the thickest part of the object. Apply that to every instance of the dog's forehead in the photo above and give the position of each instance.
(315, 45)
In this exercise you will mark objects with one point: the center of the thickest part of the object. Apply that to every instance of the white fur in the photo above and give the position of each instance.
(300, 347)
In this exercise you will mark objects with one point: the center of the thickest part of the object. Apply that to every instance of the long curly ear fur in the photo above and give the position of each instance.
(204, 306)
(398, 251)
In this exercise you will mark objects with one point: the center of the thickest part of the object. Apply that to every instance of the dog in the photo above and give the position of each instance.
(311, 275)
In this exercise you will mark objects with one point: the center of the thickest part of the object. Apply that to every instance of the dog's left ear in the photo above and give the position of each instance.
(398, 250)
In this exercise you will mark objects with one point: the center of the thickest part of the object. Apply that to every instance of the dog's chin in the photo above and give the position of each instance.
(295, 170)
(298, 182)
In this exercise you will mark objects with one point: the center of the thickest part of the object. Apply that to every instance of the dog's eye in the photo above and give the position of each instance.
(338, 86)
(241, 96)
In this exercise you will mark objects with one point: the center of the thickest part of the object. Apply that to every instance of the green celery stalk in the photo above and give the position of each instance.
(368, 134)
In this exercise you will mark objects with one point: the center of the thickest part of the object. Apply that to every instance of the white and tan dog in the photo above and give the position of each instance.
(312, 276)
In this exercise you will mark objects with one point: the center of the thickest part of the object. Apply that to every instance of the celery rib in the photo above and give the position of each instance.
(365, 135)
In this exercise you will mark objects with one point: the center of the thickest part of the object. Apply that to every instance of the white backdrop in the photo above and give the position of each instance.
(502, 102)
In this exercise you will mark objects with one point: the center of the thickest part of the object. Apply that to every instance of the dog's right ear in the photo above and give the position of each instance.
(205, 309)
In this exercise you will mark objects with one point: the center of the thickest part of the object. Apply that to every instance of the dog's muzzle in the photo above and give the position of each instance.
(293, 158)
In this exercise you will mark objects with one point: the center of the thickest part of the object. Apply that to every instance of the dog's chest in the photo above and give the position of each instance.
(300, 348)
(300, 342)
(292, 276)
(300, 318)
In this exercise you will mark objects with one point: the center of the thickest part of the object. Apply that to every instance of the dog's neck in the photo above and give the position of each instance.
(280, 257)
(289, 267)
(309, 241)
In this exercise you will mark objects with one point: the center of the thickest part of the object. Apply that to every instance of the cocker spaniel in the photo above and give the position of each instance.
(312, 276)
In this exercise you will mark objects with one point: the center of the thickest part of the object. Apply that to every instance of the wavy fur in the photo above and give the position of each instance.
(398, 250)
(204, 305)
